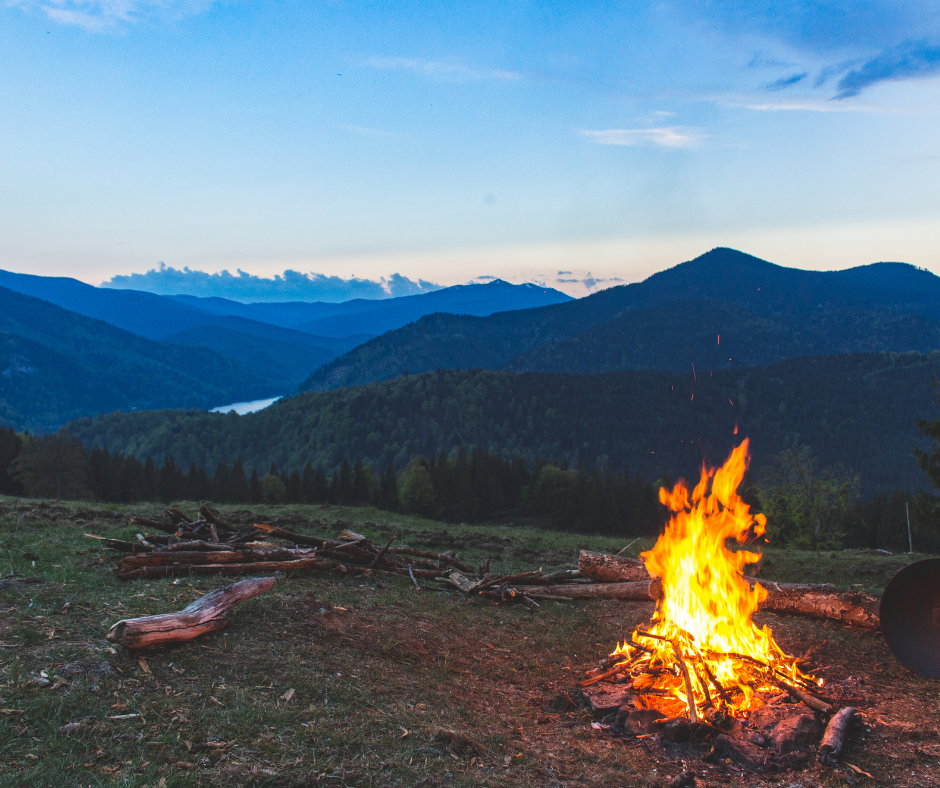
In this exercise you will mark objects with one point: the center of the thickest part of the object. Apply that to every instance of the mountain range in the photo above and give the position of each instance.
(57, 365)
(722, 309)
(246, 351)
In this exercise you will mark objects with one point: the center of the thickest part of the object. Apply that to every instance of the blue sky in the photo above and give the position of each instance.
(446, 142)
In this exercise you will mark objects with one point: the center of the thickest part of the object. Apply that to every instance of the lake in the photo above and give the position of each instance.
(241, 408)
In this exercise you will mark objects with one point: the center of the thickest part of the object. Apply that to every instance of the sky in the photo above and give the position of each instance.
(576, 145)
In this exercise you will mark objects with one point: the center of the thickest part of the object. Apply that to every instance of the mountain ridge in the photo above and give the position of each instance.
(55, 362)
(721, 275)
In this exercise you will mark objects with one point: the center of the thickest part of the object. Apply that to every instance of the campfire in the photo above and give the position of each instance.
(702, 654)
(701, 671)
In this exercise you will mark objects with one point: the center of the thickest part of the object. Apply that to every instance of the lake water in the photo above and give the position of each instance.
(241, 408)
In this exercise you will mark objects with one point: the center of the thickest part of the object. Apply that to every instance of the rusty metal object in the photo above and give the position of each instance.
(910, 617)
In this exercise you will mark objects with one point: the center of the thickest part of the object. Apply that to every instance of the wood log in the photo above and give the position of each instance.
(205, 615)
(821, 601)
(816, 600)
(834, 737)
(639, 590)
(611, 568)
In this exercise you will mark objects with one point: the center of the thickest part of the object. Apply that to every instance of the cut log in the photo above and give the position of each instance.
(611, 568)
(205, 615)
(641, 590)
(821, 601)
(834, 737)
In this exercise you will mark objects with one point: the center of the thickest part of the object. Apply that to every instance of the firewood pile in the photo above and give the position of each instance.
(177, 545)
(789, 729)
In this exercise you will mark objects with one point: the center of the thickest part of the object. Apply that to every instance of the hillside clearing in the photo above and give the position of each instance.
(332, 681)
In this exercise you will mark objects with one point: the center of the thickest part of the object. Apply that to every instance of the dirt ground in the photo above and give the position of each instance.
(328, 681)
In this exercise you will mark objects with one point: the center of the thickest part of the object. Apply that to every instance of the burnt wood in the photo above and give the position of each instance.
(834, 738)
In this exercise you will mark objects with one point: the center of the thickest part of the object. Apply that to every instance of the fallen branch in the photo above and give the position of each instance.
(205, 615)
(834, 737)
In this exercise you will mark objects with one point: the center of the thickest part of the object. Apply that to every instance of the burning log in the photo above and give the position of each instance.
(834, 737)
(205, 615)
(804, 599)
(611, 568)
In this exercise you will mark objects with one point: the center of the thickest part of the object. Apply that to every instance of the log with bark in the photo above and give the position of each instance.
(821, 601)
(834, 737)
(815, 600)
(611, 568)
(205, 615)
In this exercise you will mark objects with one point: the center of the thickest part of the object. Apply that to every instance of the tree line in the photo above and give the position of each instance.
(468, 486)
(808, 505)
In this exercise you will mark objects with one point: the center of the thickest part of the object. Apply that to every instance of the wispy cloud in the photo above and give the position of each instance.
(905, 61)
(456, 72)
(664, 136)
(785, 82)
(97, 15)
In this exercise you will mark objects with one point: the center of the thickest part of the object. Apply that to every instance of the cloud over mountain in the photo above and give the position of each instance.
(289, 286)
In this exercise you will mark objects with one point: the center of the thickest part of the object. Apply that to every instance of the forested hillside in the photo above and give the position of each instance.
(56, 365)
(857, 410)
(886, 306)
(713, 335)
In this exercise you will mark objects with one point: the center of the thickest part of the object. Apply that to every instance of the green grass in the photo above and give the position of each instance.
(376, 666)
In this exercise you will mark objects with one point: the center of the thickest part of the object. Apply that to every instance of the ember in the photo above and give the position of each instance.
(702, 655)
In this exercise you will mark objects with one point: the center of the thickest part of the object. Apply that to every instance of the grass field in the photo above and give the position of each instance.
(333, 681)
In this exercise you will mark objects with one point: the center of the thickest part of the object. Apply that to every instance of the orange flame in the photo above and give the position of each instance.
(702, 639)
